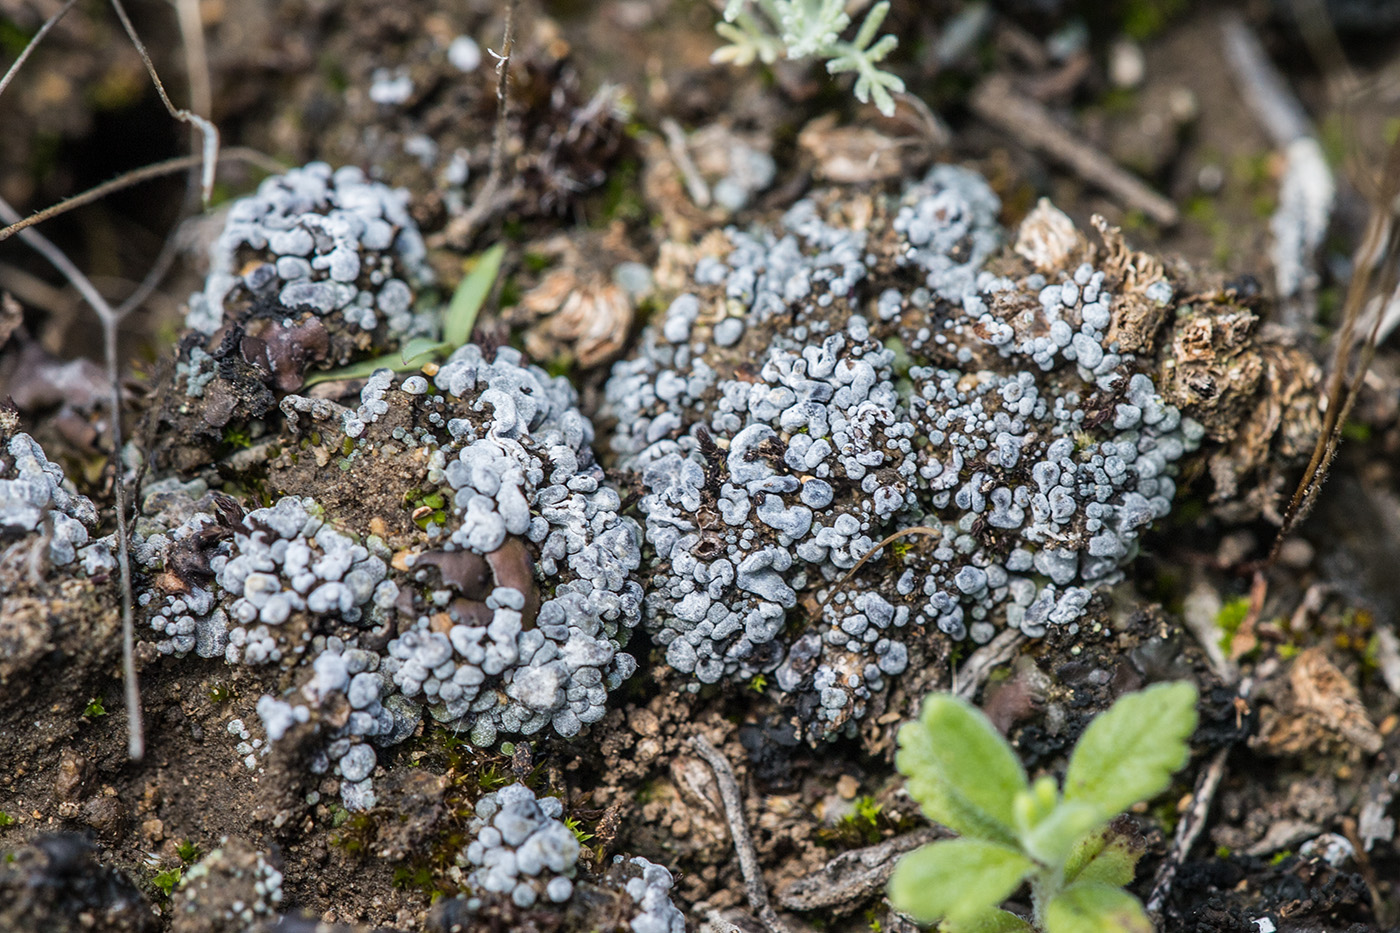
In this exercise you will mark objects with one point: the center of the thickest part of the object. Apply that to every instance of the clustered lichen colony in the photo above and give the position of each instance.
(824, 386)
(820, 385)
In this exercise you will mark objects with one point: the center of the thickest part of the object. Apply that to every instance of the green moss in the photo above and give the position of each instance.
(576, 827)
(238, 436)
(622, 198)
(1356, 431)
(357, 831)
(6, 819)
(1143, 19)
(187, 851)
(1230, 617)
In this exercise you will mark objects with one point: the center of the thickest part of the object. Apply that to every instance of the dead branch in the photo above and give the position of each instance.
(675, 144)
(33, 43)
(138, 176)
(856, 875)
(136, 743)
(1307, 191)
(997, 102)
(1187, 831)
(739, 831)
(459, 232)
(206, 128)
(1375, 278)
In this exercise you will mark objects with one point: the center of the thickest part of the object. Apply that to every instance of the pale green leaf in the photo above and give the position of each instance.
(960, 769)
(960, 879)
(993, 921)
(1095, 908)
(470, 295)
(1033, 805)
(872, 22)
(1053, 839)
(406, 359)
(1105, 857)
(1129, 753)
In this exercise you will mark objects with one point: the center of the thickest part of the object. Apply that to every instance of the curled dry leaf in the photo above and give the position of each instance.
(1048, 238)
(574, 313)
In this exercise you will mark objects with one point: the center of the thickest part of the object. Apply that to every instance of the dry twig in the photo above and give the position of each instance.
(739, 831)
(1375, 279)
(1193, 821)
(997, 102)
(1187, 831)
(979, 665)
(109, 318)
(138, 176)
(855, 876)
(33, 43)
(675, 144)
(461, 229)
(1307, 191)
(207, 129)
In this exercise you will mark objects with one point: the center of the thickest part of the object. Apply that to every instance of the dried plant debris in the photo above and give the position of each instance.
(1319, 711)
(865, 390)
(582, 308)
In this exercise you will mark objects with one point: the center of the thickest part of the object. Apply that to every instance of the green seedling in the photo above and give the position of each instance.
(187, 851)
(769, 29)
(167, 880)
(966, 777)
(95, 709)
(457, 323)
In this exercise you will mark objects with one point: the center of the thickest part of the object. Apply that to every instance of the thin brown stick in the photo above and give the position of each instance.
(138, 176)
(1030, 123)
(459, 231)
(136, 742)
(1375, 272)
(1187, 832)
(49, 23)
(675, 144)
(205, 127)
(903, 532)
(739, 831)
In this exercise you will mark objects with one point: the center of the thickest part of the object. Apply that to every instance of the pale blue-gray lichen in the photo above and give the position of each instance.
(822, 385)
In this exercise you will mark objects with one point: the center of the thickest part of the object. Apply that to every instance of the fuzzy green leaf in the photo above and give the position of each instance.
(1104, 857)
(1129, 753)
(960, 769)
(1053, 839)
(1095, 908)
(993, 921)
(470, 295)
(961, 879)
